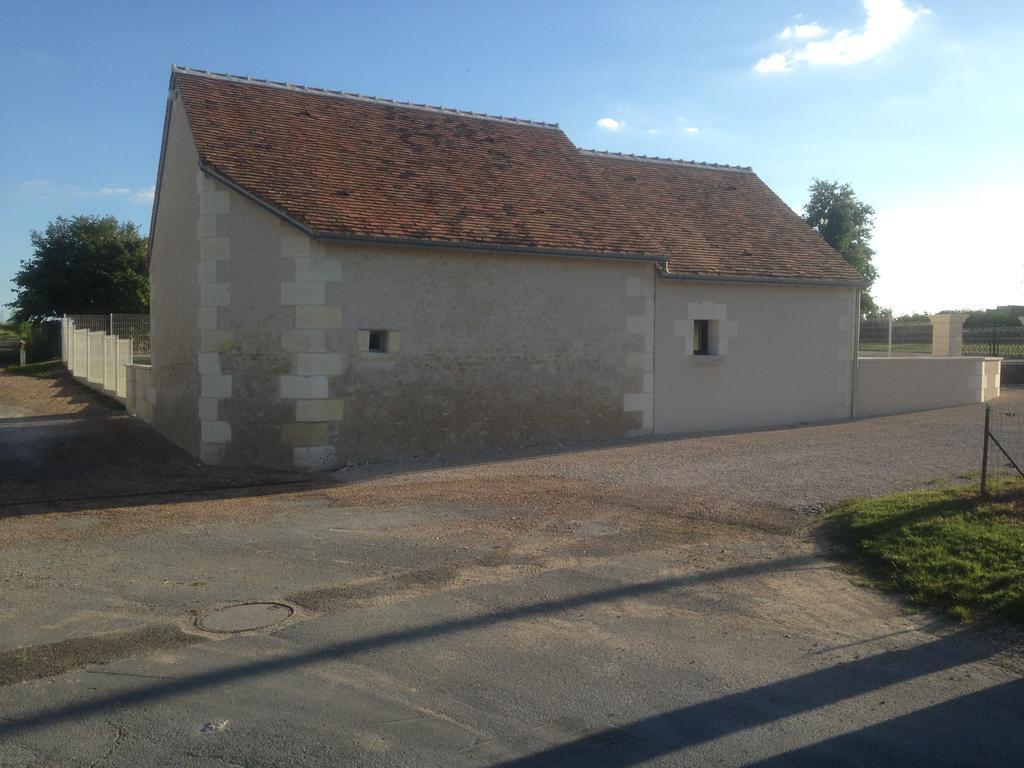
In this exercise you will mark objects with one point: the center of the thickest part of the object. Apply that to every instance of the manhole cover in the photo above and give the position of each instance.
(244, 617)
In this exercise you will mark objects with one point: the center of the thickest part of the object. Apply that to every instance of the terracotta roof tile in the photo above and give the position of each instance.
(717, 220)
(344, 165)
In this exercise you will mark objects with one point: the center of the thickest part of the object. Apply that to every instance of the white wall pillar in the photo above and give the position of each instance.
(947, 334)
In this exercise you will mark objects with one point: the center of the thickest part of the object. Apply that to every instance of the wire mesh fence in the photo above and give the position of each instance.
(1002, 458)
(134, 327)
(883, 337)
(995, 341)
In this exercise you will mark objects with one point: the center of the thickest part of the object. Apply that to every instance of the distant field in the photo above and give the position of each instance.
(908, 348)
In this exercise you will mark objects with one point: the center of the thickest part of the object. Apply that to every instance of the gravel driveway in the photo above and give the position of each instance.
(655, 603)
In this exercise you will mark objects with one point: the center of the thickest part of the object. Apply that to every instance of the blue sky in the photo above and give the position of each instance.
(919, 106)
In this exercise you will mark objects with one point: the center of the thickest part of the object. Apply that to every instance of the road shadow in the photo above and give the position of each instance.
(984, 728)
(991, 723)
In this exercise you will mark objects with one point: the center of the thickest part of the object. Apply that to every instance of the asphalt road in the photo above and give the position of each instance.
(660, 603)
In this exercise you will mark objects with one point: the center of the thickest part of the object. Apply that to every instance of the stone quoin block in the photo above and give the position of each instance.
(215, 248)
(319, 410)
(215, 431)
(304, 387)
(307, 434)
(215, 294)
(207, 318)
(207, 225)
(318, 317)
(214, 202)
(207, 409)
(215, 385)
(211, 453)
(207, 272)
(637, 401)
(308, 293)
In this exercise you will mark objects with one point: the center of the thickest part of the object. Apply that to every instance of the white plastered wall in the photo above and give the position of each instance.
(784, 355)
(887, 385)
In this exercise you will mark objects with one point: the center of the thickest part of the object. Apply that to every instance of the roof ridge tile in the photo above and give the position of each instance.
(667, 160)
(178, 69)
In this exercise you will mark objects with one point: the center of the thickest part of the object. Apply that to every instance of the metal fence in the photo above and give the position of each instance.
(134, 327)
(995, 341)
(1002, 458)
(883, 337)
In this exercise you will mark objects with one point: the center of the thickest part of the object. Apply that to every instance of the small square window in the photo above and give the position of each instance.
(378, 341)
(702, 337)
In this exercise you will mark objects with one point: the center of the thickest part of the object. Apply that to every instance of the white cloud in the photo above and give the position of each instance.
(610, 124)
(691, 129)
(775, 63)
(45, 189)
(802, 31)
(144, 196)
(654, 131)
(42, 188)
(887, 22)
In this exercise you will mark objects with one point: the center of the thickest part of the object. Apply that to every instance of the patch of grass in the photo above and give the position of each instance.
(48, 370)
(898, 348)
(945, 548)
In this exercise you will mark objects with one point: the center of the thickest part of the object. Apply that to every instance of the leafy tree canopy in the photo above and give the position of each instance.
(83, 265)
(976, 318)
(989, 317)
(846, 223)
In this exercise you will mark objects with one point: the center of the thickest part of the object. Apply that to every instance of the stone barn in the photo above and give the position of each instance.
(338, 278)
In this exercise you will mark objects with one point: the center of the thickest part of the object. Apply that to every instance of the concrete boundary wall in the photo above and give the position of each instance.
(141, 398)
(96, 359)
(94, 374)
(887, 385)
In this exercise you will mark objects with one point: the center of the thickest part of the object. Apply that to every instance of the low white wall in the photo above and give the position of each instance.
(94, 375)
(141, 394)
(97, 359)
(124, 359)
(80, 362)
(901, 384)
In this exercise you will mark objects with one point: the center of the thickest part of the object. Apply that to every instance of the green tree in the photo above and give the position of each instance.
(83, 265)
(845, 223)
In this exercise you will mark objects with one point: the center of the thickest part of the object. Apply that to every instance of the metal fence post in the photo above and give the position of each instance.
(984, 453)
(890, 335)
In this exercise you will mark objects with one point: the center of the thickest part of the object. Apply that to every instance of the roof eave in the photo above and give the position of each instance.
(160, 165)
(826, 282)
